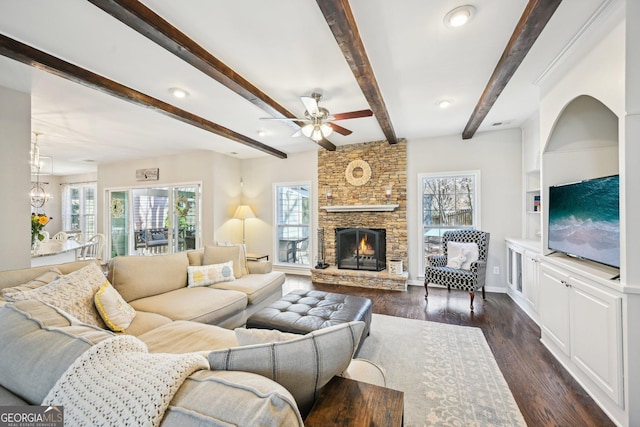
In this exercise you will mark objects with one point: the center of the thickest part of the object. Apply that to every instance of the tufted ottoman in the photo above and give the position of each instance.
(302, 311)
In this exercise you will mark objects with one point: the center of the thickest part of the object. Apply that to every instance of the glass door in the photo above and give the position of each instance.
(119, 220)
(184, 218)
(154, 220)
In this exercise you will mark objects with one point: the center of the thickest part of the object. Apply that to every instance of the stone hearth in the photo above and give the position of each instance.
(360, 278)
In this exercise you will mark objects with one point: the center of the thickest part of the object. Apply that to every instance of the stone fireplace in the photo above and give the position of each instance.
(363, 186)
(361, 249)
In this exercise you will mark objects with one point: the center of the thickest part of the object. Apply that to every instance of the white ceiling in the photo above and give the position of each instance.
(286, 49)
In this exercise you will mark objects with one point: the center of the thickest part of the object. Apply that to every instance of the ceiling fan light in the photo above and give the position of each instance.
(326, 129)
(317, 133)
(307, 130)
(459, 16)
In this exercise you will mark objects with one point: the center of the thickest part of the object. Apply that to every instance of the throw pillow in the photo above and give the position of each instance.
(461, 253)
(49, 276)
(220, 254)
(113, 309)
(251, 336)
(205, 275)
(72, 293)
(243, 254)
(472, 256)
(303, 365)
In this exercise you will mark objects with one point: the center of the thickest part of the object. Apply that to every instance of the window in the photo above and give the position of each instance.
(293, 217)
(449, 201)
(79, 209)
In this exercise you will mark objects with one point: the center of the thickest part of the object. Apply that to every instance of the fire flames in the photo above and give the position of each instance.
(365, 248)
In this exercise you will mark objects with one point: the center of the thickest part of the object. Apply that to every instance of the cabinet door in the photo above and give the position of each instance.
(596, 336)
(530, 286)
(514, 260)
(554, 308)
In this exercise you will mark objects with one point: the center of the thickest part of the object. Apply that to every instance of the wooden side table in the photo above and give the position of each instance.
(345, 402)
(256, 257)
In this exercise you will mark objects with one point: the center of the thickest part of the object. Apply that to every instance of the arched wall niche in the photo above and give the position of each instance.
(582, 144)
(585, 123)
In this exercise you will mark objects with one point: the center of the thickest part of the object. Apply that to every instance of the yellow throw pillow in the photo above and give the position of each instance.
(113, 309)
(205, 275)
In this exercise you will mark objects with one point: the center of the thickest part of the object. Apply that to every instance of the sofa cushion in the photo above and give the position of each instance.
(231, 399)
(9, 399)
(220, 254)
(183, 336)
(261, 336)
(10, 278)
(38, 345)
(303, 365)
(201, 304)
(204, 275)
(136, 277)
(114, 310)
(45, 278)
(257, 287)
(195, 256)
(145, 321)
(243, 254)
(72, 293)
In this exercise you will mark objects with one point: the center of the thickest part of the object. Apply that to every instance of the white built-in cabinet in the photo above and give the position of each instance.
(581, 324)
(522, 274)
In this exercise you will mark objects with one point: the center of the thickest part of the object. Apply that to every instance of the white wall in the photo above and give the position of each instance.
(214, 171)
(15, 179)
(498, 156)
(259, 175)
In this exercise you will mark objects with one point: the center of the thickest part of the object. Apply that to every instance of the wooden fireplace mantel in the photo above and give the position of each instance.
(360, 208)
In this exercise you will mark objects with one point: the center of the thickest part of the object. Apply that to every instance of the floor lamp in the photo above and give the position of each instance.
(244, 212)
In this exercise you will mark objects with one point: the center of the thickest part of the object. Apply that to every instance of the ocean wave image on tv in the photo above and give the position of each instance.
(584, 220)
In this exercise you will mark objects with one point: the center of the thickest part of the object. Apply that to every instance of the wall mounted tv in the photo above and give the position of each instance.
(584, 219)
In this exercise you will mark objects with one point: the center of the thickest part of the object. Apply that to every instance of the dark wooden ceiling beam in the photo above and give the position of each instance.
(145, 21)
(36, 58)
(340, 18)
(533, 20)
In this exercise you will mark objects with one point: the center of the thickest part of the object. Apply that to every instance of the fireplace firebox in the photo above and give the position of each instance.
(361, 248)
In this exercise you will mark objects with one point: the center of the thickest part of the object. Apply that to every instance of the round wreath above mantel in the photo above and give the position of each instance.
(360, 180)
(182, 205)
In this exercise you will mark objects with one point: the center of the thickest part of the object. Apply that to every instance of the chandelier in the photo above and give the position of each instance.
(38, 194)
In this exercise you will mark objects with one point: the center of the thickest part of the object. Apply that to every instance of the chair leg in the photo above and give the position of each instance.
(426, 290)
(472, 295)
(483, 297)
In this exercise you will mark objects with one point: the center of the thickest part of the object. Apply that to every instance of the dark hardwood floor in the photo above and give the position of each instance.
(546, 394)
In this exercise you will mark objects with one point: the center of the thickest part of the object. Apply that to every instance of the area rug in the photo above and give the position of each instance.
(447, 373)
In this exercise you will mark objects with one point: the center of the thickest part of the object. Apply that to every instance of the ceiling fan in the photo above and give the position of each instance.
(319, 122)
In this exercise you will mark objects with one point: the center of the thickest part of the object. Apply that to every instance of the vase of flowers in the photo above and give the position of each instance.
(38, 221)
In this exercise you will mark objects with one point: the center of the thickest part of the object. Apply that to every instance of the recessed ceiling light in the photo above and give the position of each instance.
(459, 16)
(179, 93)
(444, 103)
(262, 133)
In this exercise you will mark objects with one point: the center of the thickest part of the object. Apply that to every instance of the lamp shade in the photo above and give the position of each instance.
(244, 212)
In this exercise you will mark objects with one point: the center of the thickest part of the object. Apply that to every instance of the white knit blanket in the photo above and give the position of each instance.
(117, 382)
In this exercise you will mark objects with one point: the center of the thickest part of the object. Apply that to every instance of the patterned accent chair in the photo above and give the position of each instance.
(469, 280)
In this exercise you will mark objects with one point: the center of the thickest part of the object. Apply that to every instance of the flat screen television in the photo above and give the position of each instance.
(584, 219)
